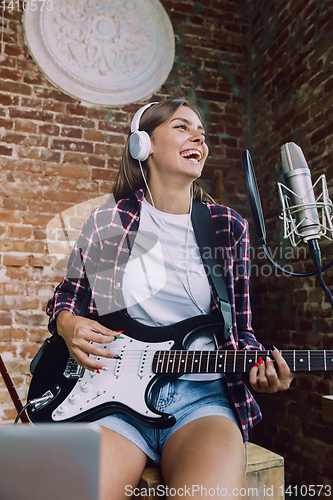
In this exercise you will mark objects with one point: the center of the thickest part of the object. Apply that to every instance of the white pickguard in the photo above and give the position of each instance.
(125, 381)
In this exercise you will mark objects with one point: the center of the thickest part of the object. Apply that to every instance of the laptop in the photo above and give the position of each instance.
(49, 462)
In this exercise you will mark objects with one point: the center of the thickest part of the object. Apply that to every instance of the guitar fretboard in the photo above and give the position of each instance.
(181, 361)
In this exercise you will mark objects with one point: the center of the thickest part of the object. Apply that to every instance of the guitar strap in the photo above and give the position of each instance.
(205, 234)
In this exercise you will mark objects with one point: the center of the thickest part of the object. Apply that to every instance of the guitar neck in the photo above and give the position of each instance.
(225, 361)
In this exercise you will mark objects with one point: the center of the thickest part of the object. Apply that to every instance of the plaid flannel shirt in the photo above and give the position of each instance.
(99, 258)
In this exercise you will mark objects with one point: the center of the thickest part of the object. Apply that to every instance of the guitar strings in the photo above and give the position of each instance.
(133, 359)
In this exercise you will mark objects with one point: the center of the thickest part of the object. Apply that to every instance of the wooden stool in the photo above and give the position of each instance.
(264, 478)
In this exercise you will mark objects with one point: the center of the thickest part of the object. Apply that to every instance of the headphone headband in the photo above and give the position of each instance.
(136, 118)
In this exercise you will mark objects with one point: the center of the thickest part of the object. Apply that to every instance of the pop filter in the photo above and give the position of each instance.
(254, 197)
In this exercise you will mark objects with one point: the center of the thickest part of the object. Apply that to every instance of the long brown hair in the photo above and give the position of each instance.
(129, 178)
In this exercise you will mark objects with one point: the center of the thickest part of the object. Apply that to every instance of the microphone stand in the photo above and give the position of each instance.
(13, 394)
(316, 257)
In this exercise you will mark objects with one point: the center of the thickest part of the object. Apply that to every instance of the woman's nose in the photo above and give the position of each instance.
(198, 137)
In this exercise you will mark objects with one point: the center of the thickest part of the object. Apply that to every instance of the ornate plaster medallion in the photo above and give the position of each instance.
(104, 52)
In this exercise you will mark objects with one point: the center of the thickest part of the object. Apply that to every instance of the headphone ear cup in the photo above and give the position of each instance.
(139, 145)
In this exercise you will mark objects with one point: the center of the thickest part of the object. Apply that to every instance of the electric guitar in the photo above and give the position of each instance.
(149, 356)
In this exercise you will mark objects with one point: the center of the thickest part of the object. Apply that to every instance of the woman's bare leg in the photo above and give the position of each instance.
(121, 466)
(205, 456)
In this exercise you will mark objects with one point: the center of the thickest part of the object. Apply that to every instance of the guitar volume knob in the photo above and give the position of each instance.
(86, 386)
(74, 398)
(62, 410)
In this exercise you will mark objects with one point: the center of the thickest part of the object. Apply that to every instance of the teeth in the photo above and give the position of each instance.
(191, 152)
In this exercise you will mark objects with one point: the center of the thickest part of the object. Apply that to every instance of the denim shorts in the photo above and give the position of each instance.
(186, 400)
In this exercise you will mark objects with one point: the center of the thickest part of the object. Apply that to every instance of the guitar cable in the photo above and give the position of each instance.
(33, 402)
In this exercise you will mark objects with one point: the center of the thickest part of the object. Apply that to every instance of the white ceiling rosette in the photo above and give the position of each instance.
(103, 52)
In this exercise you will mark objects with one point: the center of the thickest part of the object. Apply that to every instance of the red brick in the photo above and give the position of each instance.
(57, 95)
(57, 107)
(94, 136)
(4, 151)
(35, 79)
(9, 100)
(85, 147)
(13, 138)
(102, 174)
(15, 204)
(12, 50)
(114, 127)
(39, 261)
(77, 158)
(75, 121)
(40, 232)
(51, 156)
(7, 124)
(107, 149)
(66, 196)
(31, 114)
(98, 113)
(71, 132)
(10, 415)
(15, 88)
(5, 318)
(68, 171)
(10, 74)
(9, 216)
(23, 273)
(20, 232)
(31, 102)
(113, 164)
(40, 206)
(76, 109)
(22, 246)
(10, 260)
(25, 126)
(96, 161)
(49, 129)
(36, 219)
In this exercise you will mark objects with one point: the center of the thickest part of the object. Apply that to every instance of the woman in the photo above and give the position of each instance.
(153, 196)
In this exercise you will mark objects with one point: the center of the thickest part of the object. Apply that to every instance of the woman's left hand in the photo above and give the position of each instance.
(265, 378)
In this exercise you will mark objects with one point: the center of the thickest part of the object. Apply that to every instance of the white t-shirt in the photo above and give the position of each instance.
(152, 288)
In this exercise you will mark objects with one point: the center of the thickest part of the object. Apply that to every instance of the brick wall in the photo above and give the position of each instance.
(292, 84)
(56, 152)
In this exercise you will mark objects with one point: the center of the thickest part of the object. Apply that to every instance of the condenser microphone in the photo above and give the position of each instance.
(300, 194)
(299, 209)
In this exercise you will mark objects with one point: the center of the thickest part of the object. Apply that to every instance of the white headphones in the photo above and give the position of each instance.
(139, 141)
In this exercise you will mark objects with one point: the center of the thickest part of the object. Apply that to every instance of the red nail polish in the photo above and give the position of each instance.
(261, 361)
(98, 371)
(256, 365)
(120, 331)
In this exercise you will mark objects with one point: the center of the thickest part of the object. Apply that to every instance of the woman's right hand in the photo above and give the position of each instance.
(79, 333)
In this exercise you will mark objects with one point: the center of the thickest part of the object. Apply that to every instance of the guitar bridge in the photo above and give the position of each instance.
(73, 369)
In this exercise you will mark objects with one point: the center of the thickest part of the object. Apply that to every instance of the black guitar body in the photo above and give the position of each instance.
(49, 374)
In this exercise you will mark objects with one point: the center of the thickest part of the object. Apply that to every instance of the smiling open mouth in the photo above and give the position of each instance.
(191, 154)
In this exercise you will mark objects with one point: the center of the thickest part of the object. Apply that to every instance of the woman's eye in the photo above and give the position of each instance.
(182, 126)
